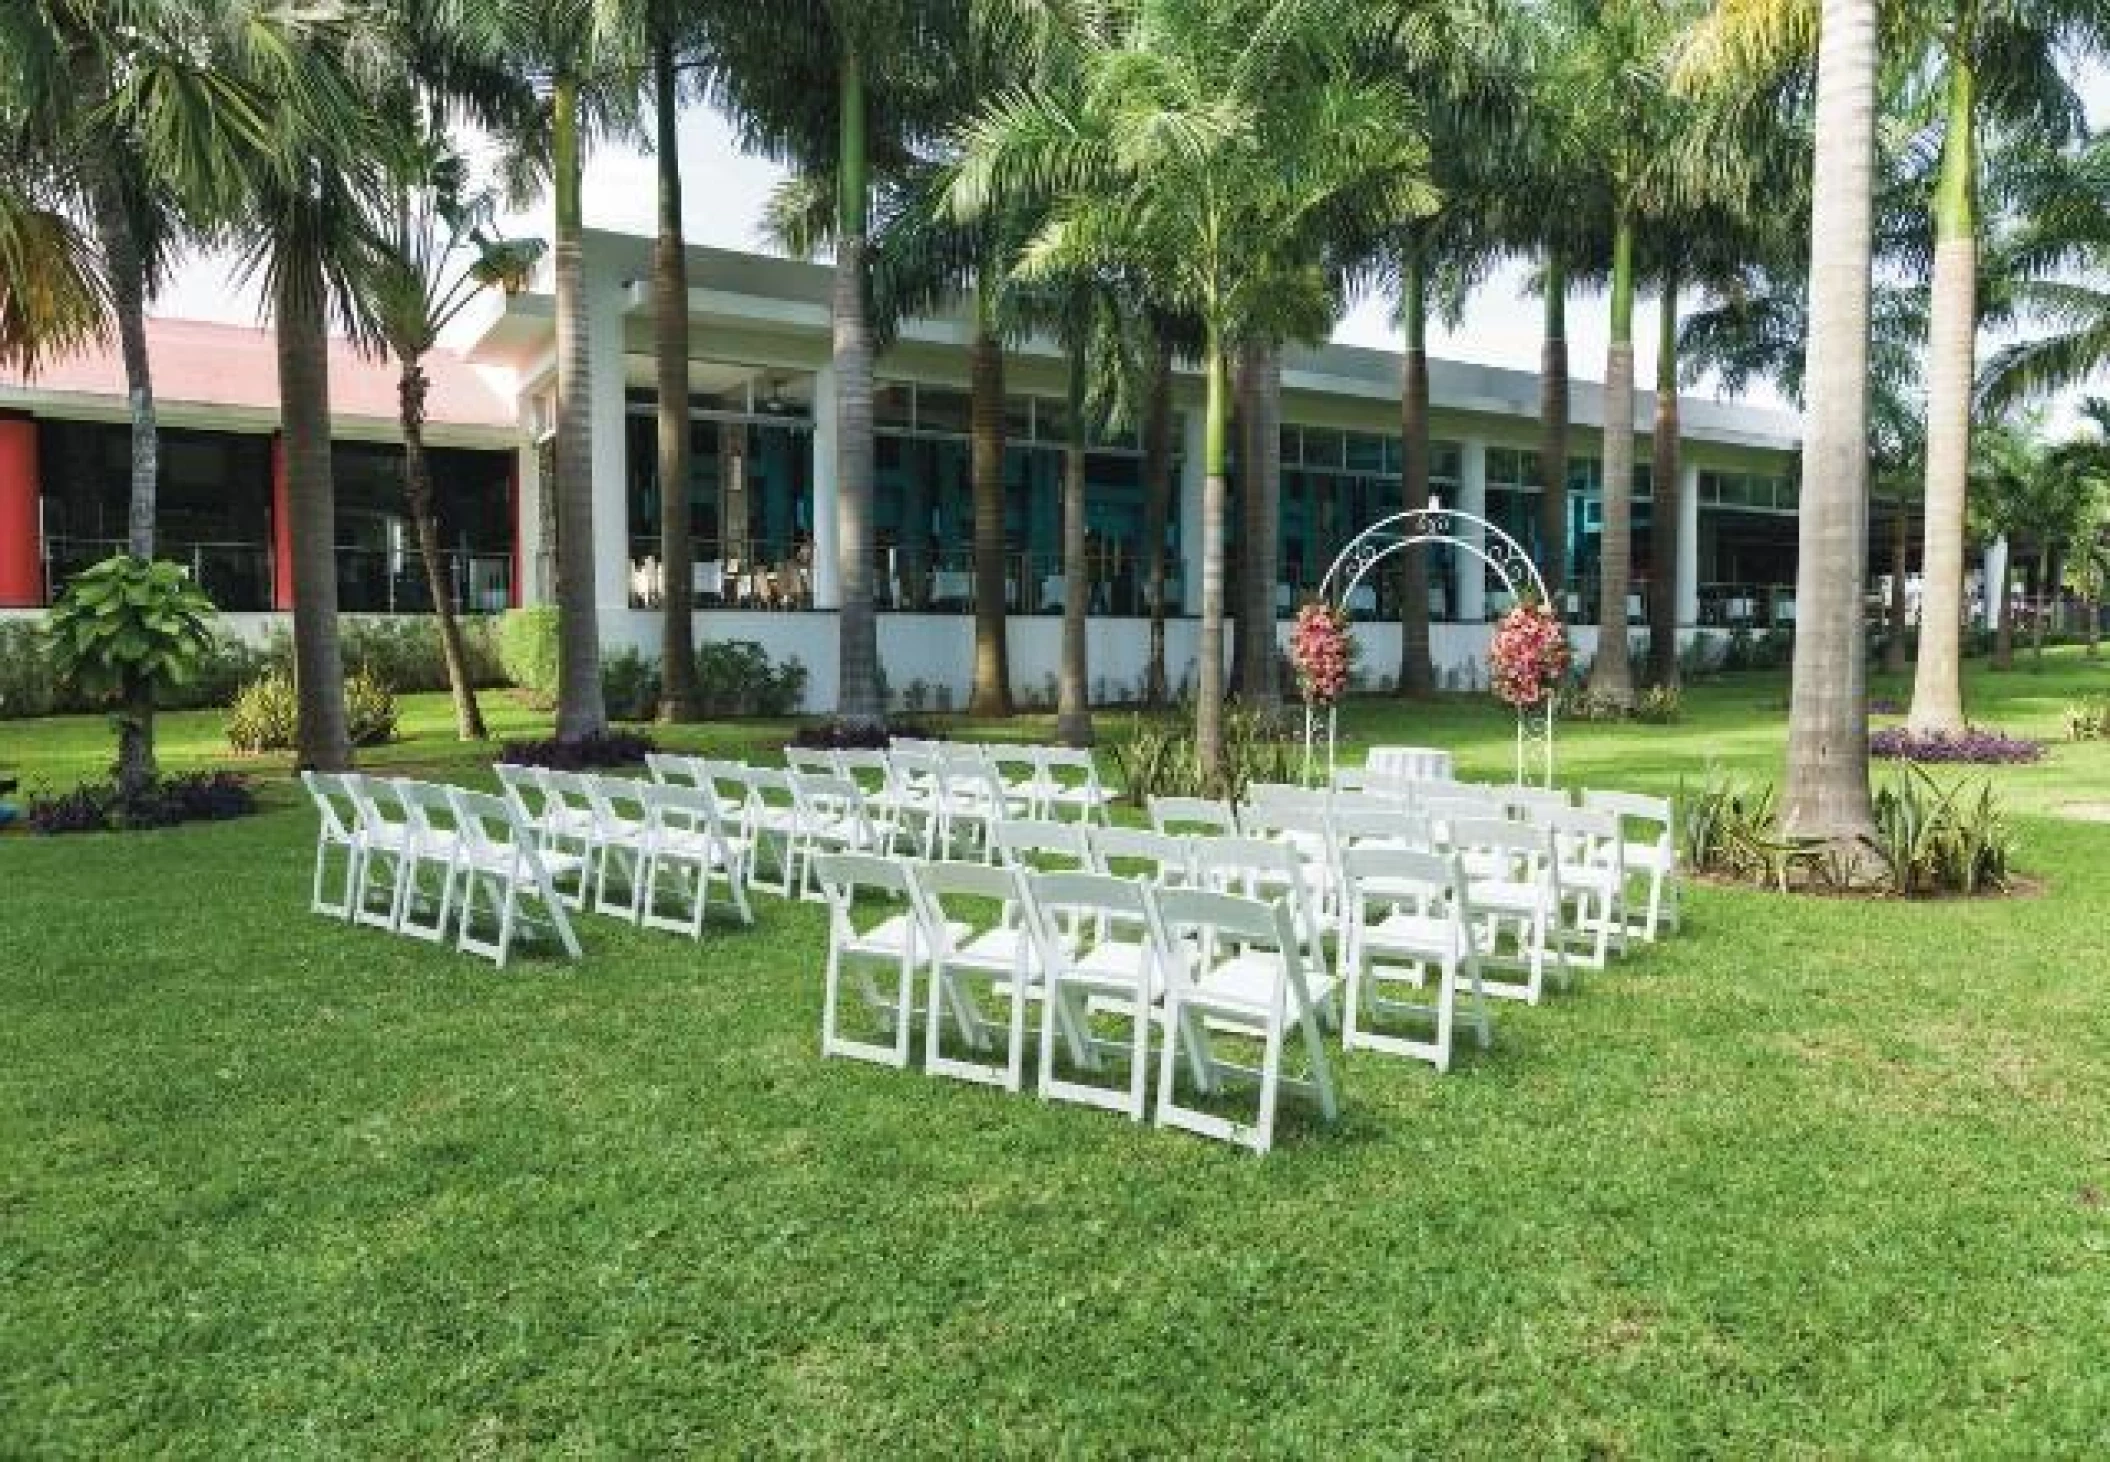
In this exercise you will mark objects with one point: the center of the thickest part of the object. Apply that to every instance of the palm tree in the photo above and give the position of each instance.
(435, 252)
(668, 23)
(2000, 61)
(845, 88)
(52, 295)
(1203, 147)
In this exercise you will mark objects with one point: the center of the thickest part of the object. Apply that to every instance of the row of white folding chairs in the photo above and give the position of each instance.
(647, 853)
(1181, 968)
(788, 815)
(396, 836)
(1034, 781)
(1647, 828)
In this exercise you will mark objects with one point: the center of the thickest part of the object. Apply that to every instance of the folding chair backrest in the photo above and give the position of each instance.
(1586, 835)
(1535, 804)
(1168, 860)
(1430, 880)
(1281, 821)
(378, 804)
(491, 828)
(914, 745)
(1652, 813)
(1245, 864)
(1353, 825)
(867, 767)
(684, 809)
(1192, 814)
(333, 804)
(1350, 779)
(812, 761)
(1195, 922)
(1068, 766)
(980, 896)
(671, 770)
(1036, 843)
(1286, 795)
(1015, 764)
(618, 802)
(522, 786)
(1522, 843)
(426, 807)
(843, 876)
(568, 792)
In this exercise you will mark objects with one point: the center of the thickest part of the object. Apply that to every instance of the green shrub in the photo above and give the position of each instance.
(28, 684)
(1942, 839)
(2089, 719)
(737, 678)
(527, 650)
(1580, 703)
(405, 652)
(1660, 705)
(1157, 758)
(265, 715)
(630, 684)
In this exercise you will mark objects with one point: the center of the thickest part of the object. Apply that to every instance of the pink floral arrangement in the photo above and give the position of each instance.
(1529, 655)
(1321, 650)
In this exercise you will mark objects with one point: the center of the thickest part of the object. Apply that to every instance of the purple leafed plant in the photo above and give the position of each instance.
(1975, 747)
(608, 749)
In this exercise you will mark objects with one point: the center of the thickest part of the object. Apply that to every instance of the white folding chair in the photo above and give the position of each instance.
(1409, 921)
(1192, 815)
(1101, 954)
(1018, 772)
(1592, 872)
(688, 846)
(1242, 974)
(1070, 785)
(770, 819)
(1513, 884)
(1287, 795)
(1155, 857)
(337, 828)
(620, 834)
(863, 948)
(971, 799)
(502, 859)
(981, 949)
(1649, 849)
(434, 846)
(672, 770)
(813, 761)
(1308, 831)
(1534, 804)
(889, 795)
(570, 825)
(833, 818)
(384, 837)
(1258, 868)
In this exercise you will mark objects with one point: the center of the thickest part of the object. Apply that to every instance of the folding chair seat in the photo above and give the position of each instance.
(982, 950)
(435, 847)
(1045, 845)
(620, 835)
(384, 839)
(688, 848)
(1409, 920)
(1158, 858)
(863, 948)
(1070, 785)
(1202, 816)
(1592, 874)
(1102, 955)
(502, 859)
(1649, 849)
(1513, 885)
(1262, 869)
(1242, 973)
(337, 828)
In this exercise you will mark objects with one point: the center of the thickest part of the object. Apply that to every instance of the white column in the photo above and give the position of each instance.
(1192, 470)
(1688, 565)
(827, 571)
(1994, 565)
(1472, 498)
(606, 303)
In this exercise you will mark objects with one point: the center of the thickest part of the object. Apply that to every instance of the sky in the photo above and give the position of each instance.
(725, 191)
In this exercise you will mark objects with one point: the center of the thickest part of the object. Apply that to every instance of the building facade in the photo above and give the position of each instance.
(762, 483)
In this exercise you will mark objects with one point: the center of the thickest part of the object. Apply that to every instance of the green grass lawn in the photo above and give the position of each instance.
(1815, 1177)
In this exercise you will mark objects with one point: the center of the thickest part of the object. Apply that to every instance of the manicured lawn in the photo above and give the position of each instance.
(1816, 1176)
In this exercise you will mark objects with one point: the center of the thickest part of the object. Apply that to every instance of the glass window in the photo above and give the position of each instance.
(1051, 420)
(1018, 418)
(1322, 447)
(1366, 452)
(1292, 446)
(1446, 462)
(941, 410)
(891, 405)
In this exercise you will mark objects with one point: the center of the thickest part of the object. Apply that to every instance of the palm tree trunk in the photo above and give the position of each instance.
(581, 712)
(411, 392)
(1665, 484)
(1417, 673)
(1826, 796)
(1209, 681)
(857, 695)
(1612, 673)
(1247, 636)
(1157, 509)
(1262, 686)
(1937, 685)
(992, 650)
(2045, 602)
(113, 228)
(1073, 713)
(1900, 605)
(670, 343)
(1553, 435)
(322, 742)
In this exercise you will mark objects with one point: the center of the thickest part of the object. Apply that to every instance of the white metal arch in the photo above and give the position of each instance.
(1439, 525)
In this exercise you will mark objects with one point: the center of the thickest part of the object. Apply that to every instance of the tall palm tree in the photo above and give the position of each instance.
(669, 27)
(435, 252)
(1201, 147)
(52, 295)
(844, 87)
(2000, 61)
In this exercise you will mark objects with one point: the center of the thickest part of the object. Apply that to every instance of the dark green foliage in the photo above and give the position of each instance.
(1154, 757)
(265, 713)
(166, 802)
(527, 651)
(585, 753)
(737, 678)
(128, 627)
(629, 684)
